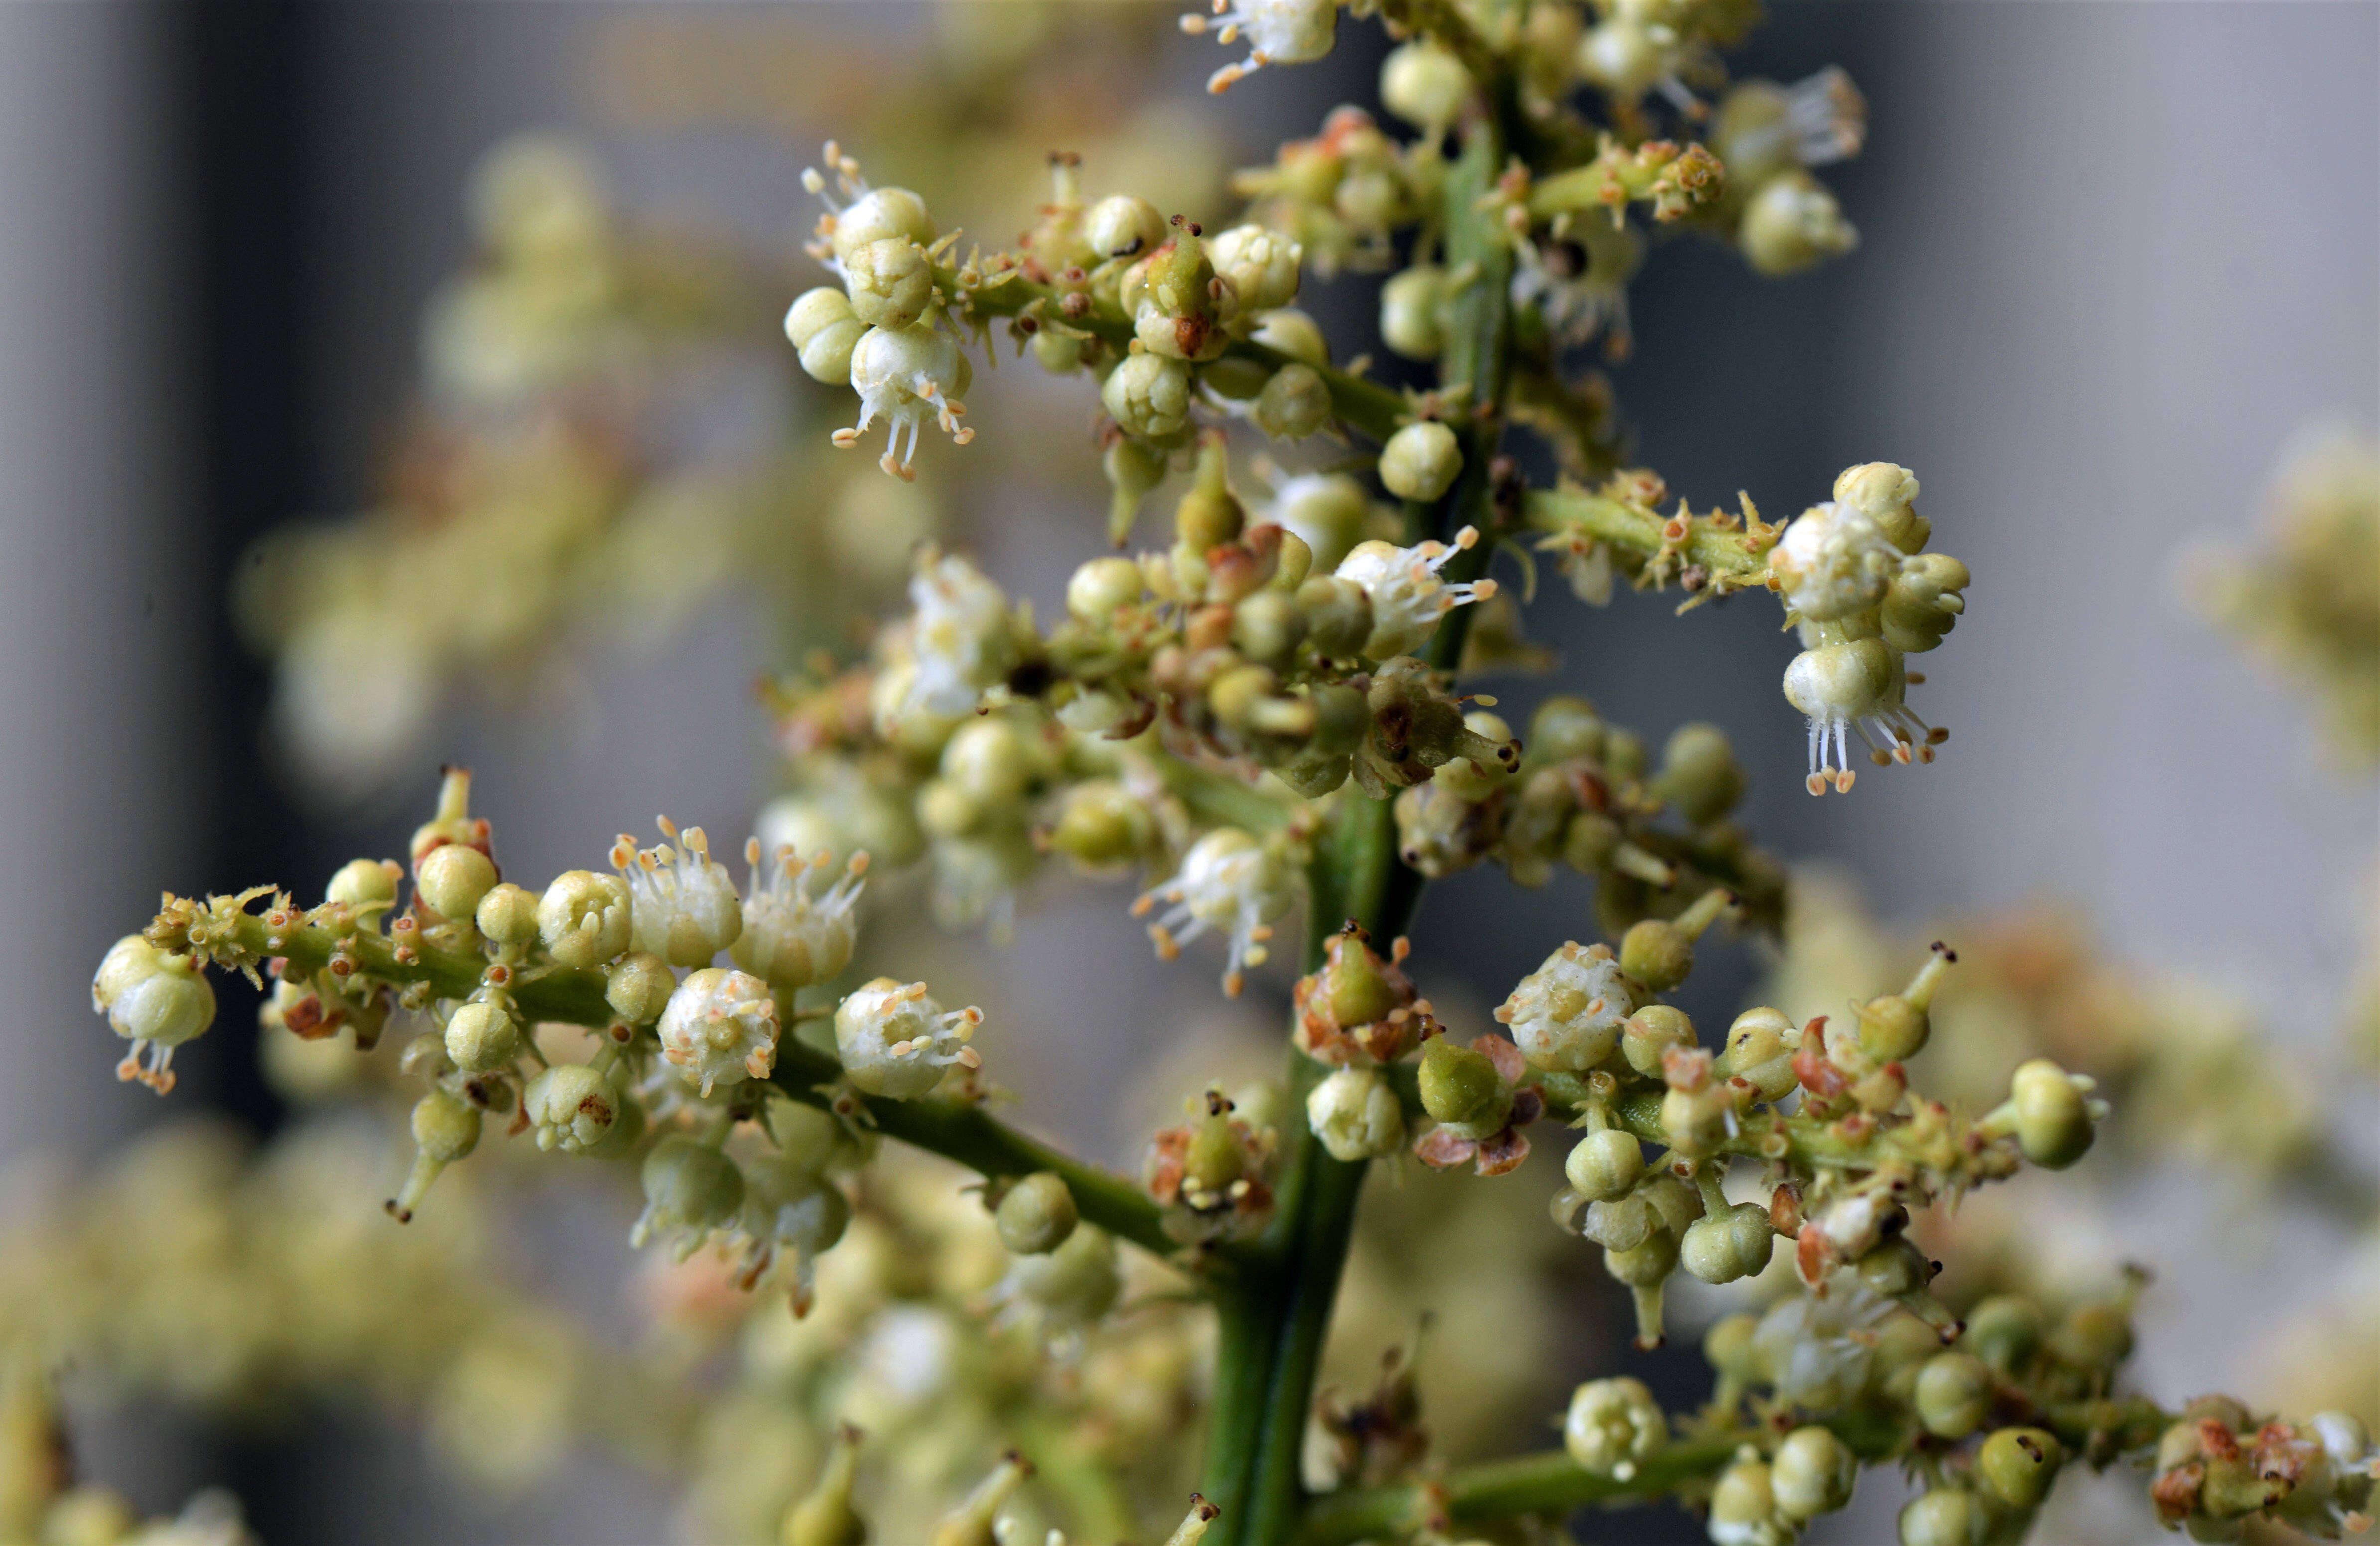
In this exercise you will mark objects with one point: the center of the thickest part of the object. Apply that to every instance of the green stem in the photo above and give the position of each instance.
(1733, 559)
(1366, 406)
(957, 1130)
(1255, 1470)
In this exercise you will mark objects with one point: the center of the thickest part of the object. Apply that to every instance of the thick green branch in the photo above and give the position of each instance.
(957, 1130)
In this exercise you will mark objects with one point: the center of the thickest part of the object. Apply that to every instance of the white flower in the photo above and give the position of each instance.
(719, 1028)
(1848, 687)
(1567, 1015)
(1228, 880)
(1833, 561)
(1408, 599)
(960, 640)
(684, 903)
(906, 374)
(154, 999)
(1818, 1353)
(1279, 32)
(857, 215)
(1612, 1425)
(896, 1041)
(792, 939)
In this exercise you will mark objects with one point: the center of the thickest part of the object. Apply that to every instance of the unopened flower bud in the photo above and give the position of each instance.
(1295, 333)
(1148, 395)
(1661, 953)
(1338, 616)
(1425, 85)
(1420, 461)
(584, 918)
(1259, 264)
(483, 1036)
(507, 915)
(2005, 1331)
(1123, 227)
(1744, 1506)
(1945, 1516)
(1699, 775)
(1413, 305)
(453, 877)
(1650, 1033)
(1722, 1248)
(1896, 1026)
(364, 884)
(878, 213)
(154, 999)
(1924, 602)
(1268, 626)
(1097, 590)
(1357, 1115)
(824, 1516)
(1791, 222)
(823, 330)
(1036, 1215)
(890, 282)
(2017, 1465)
(1605, 1165)
(1813, 1473)
(1327, 511)
(1613, 1426)
(572, 1107)
(690, 1189)
(639, 986)
(1954, 1394)
(1760, 1048)
(1075, 1283)
(2051, 1112)
(445, 1128)
(1103, 827)
(1295, 403)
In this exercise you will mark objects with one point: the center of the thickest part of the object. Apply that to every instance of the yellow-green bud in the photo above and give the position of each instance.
(1148, 395)
(1036, 1215)
(1791, 222)
(507, 915)
(1425, 85)
(1102, 586)
(445, 1128)
(1295, 403)
(1421, 461)
(364, 882)
(1563, 728)
(2052, 1113)
(1813, 1473)
(1103, 826)
(1208, 515)
(639, 986)
(1760, 1047)
(824, 1516)
(1268, 626)
(1132, 470)
(824, 331)
(1728, 1348)
(1650, 1033)
(1411, 304)
(1656, 953)
(1722, 1248)
(453, 877)
(1699, 774)
(1743, 1504)
(1338, 616)
(892, 282)
(690, 1189)
(2005, 1331)
(1293, 334)
(1357, 1115)
(1896, 1025)
(1605, 1165)
(572, 1107)
(1613, 1426)
(2096, 1337)
(1461, 1088)
(2017, 1465)
(1123, 227)
(1944, 1517)
(1954, 1394)
(483, 1036)
(584, 918)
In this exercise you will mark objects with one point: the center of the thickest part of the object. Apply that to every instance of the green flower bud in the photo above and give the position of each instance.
(1148, 395)
(1461, 1088)
(1421, 461)
(1132, 470)
(1103, 587)
(793, 1207)
(453, 877)
(1295, 403)
(1235, 696)
(1659, 953)
(878, 214)
(1644, 1267)
(1722, 1248)
(1651, 1032)
(1208, 515)
(1425, 85)
(1268, 626)
(2005, 1331)
(1895, 1268)
(1699, 775)
(1743, 1504)
(1075, 1283)
(2053, 1117)
(1813, 1473)
(1896, 1026)
(1259, 264)
(690, 1189)
(1103, 827)
(1357, 1115)
(1604, 1166)
(1760, 1047)
(1564, 728)
(1624, 754)
(824, 1516)
(571, 1106)
(1059, 353)
(892, 282)
(364, 883)
(156, 1000)
(584, 918)
(2095, 1337)
(1954, 1394)
(824, 331)
(507, 915)
(1728, 1348)
(1338, 616)
(483, 1036)
(445, 1128)
(1293, 334)
(1234, 378)
(1944, 1517)
(639, 986)
(1613, 1426)
(2017, 1465)
(1413, 304)
(1924, 602)
(987, 761)
(1327, 511)
(1036, 1215)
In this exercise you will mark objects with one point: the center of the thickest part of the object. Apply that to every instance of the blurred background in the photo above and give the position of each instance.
(2114, 259)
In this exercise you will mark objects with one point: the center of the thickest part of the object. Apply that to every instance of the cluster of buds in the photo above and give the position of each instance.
(1344, 194)
(2219, 1467)
(1864, 594)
